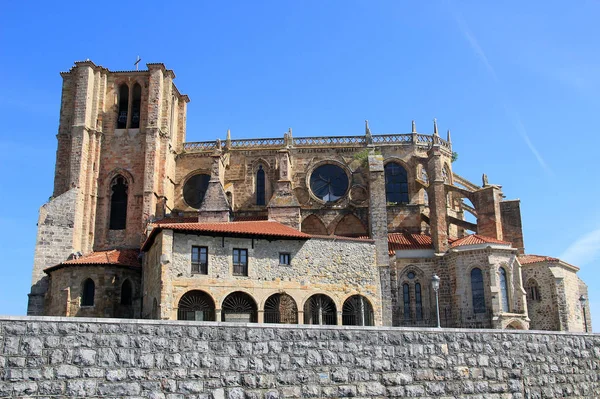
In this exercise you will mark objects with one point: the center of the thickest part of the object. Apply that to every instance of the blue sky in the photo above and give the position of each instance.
(516, 83)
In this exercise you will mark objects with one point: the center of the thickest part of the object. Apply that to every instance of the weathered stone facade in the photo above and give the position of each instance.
(124, 168)
(59, 357)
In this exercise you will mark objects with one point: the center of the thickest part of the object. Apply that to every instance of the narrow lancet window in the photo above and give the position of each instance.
(406, 298)
(504, 290)
(88, 292)
(126, 293)
(260, 186)
(118, 204)
(123, 106)
(477, 291)
(136, 105)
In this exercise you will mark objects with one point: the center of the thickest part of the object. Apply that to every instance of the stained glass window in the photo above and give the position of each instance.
(329, 182)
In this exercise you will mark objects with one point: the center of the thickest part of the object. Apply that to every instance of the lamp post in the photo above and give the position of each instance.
(435, 284)
(582, 299)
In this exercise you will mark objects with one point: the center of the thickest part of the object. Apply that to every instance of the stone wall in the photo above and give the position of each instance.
(338, 268)
(59, 357)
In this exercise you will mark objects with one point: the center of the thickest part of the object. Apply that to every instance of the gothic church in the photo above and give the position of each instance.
(370, 229)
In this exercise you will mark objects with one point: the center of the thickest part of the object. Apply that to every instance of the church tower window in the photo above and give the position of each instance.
(136, 106)
(123, 106)
(396, 183)
(118, 204)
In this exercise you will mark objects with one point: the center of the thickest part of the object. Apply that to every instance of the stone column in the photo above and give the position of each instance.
(379, 232)
(437, 200)
(489, 218)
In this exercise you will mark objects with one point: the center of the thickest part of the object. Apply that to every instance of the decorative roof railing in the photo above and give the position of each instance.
(418, 139)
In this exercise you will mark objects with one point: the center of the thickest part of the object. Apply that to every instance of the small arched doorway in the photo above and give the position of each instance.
(357, 311)
(196, 305)
(239, 307)
(281, 308)
(320, 309)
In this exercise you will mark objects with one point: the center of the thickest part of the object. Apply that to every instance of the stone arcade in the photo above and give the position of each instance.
(299, 230)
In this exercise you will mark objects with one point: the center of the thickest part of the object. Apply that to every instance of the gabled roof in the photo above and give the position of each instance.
(114, 257)
(475, 239)
(527, 259)
(235, 229)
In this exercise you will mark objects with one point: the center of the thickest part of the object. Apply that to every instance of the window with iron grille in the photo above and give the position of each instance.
(240, 262)
(284, 258)
(200, 260)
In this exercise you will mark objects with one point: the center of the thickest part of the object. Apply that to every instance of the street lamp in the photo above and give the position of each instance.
(582, 299)
(435, 284)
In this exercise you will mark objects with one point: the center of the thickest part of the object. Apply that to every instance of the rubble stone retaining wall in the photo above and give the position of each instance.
(66, 357)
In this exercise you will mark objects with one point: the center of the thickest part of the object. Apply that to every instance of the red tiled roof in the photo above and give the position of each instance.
(177, 219)
(256, 228)
(475, 239)
(117, 257)
(405, 241)
(343, 238)
(255, 218)
(527, 259)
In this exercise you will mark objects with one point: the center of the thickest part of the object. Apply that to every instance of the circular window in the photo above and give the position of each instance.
(410, 275)
(329, 182)
(194, 190)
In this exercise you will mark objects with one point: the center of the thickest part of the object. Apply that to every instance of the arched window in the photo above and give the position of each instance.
(88, 292)
(418, 302)
(477, 291)
(123, 106)
(533, 290)
(504, 290)
(136, 106)
(406, 297)
(118, 204)
(281, 308)
(320, 309)
(396, 183)
(260, 186)
(239, 307)
(196, 305)
(126, 293)
(357, 311)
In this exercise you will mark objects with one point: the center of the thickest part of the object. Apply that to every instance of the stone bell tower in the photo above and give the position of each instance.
(115, 128)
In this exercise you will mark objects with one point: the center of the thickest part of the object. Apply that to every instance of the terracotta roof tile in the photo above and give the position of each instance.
(117, 257)
(256, 228)
(527, 259)
(475, 239)
(406, 241)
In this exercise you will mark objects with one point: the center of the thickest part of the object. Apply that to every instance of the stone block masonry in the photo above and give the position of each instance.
(64, 357)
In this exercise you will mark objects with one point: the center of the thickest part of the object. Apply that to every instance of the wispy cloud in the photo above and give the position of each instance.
(511, 113)
(584, 250)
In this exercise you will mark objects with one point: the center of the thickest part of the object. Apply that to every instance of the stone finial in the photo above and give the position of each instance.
(228, 139)
(218, 144)
(290, 133)
(484, 180)
(435, 128)
(414, 127)
(448, 139)
(368, 136)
